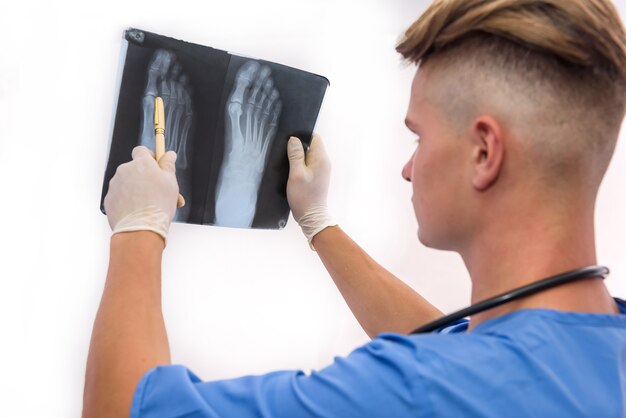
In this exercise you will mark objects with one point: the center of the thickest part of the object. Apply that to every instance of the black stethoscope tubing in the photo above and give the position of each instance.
(538, 286)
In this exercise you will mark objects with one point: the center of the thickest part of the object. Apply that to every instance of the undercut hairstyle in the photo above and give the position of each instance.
(558, 65)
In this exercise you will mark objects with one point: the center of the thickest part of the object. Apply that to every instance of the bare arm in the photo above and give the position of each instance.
(129, 336)
(380, 301)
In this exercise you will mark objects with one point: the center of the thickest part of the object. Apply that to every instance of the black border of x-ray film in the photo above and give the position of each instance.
(211, 75)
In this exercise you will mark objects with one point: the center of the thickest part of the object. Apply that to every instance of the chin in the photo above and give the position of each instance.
(431, 242)
(421, 236)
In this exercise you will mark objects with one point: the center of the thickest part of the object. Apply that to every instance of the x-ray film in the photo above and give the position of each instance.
(228, 118)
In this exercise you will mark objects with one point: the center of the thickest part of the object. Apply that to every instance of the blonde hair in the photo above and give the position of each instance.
(568, 55)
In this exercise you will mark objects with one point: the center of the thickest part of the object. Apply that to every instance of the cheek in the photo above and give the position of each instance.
(422, 182)
(432, 184)
(422, 171)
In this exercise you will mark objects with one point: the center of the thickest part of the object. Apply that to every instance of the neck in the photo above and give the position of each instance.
(534, 248)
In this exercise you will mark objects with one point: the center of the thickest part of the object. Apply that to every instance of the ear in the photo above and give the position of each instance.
(487, 151)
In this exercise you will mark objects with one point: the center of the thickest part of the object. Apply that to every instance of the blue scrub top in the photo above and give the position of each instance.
(531, 362)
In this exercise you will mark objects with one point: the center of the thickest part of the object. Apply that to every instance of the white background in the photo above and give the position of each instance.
(235, 302)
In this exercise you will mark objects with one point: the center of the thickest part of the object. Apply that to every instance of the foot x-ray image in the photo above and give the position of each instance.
(252, 113)
(227, 117)
(165, 79)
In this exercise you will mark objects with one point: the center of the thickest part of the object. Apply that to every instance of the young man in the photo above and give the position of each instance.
(518, 105)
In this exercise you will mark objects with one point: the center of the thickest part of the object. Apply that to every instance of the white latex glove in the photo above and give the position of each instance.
(143, 194)
(307, 187)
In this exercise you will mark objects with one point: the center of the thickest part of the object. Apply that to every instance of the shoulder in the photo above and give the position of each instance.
(444, 363)
(427, 351)
(549, 356)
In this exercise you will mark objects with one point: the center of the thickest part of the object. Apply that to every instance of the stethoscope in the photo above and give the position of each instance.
(547, 283)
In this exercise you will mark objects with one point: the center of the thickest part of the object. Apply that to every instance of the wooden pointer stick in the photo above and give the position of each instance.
(159, 137)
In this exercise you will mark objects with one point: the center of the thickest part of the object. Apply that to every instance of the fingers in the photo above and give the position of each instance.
(142, 152)
(295, 153)
(168, 161)
(317, 151)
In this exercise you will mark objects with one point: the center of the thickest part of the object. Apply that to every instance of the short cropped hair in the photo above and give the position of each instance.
(568, 57)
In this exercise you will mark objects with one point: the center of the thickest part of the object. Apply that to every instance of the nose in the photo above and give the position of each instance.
(407, 169)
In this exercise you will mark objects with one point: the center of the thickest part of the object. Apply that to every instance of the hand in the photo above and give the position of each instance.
(143, 193)
(307, 186)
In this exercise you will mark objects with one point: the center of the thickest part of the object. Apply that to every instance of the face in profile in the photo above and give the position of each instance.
(436, 169)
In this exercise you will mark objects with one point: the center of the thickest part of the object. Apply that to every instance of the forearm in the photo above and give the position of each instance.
(380, 301)
(129, 335)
